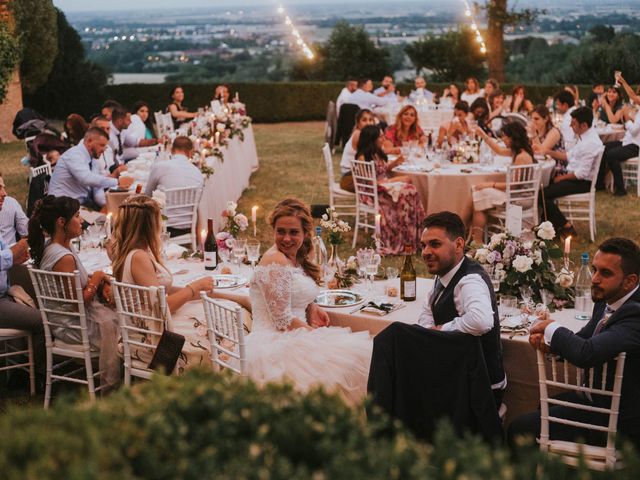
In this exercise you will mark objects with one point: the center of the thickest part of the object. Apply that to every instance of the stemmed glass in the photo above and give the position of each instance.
(372, 269)
(363, 257)
(253, 251)
(392, 274)
(239, 245)
(329, 273)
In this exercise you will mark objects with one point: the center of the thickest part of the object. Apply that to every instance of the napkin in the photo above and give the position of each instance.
(174, 251)
(382, 308)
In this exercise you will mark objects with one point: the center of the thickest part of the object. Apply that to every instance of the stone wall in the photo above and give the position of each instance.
(13, 101)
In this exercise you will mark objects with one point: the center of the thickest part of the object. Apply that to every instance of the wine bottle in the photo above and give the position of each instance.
(408, 277)
(210, 248)
(139, 188)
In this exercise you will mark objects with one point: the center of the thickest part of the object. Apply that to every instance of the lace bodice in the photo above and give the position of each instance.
(279, 294)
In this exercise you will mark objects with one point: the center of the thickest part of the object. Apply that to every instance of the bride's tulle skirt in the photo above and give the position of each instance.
(332, 357)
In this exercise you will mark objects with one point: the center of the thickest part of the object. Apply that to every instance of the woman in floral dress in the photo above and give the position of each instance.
(400, 203)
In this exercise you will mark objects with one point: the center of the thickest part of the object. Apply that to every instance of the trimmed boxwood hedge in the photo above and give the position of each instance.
(202, 426)
(275, 102)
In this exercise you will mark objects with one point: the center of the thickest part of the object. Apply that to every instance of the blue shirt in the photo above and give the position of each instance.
(77, 175)
(6, 262)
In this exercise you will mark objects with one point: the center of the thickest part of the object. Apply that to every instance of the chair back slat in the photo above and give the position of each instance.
(181, 210)
(226, 334)
(365, 182)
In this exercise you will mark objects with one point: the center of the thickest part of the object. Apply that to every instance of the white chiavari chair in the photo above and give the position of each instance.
(225, 329)
(367, 205)
(566, 377)
(631, 173)
(181, 210)
(35, 171)
(17, 357)
(342, 201)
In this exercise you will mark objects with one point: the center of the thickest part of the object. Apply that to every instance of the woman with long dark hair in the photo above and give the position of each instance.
(610, 110)
(488, 195)
(75, 127)
(59, 218)
(400, 204)
(178, 111)
(142, 121)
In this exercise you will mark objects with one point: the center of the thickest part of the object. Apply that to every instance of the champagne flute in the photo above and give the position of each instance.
(239, 245)
(253, 251)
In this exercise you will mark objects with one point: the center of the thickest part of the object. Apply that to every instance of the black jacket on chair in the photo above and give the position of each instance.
(621, 333)
(421, 376)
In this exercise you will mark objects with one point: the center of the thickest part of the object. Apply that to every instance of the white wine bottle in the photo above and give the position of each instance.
(408, 277)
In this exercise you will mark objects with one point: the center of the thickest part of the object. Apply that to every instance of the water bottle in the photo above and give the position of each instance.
(584, 304)
(320, 256)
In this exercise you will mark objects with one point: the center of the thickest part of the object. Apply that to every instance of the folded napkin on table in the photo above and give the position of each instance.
(382, 308)
(174, 251)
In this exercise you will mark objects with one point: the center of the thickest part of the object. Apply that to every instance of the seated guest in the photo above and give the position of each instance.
(106, 162)
(457, 127)
(490, 87)
(519, 101)
(597, 89)
(399, 201)
(74, 128)
(137, 260)
(479, 111)
(421, 93)
(222, 94)
(107, 108)
(77, 173)
(13, 221)
(142, 126)
(575, 92)
(178, 172)
(565, 106)
(546, 137)
(450, 96)
(120, 121)
(363, 97)
(363, 118)
(488, 195)
(581, 163)
(178, 111)
(496, 109)
(345, 94)
(610, 110)
(387, 88)
(614, 328)
(472, 90)
(406, 129)
(59, 218)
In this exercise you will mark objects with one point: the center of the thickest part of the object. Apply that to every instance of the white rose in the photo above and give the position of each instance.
(522, 264)
(325, 217)
(496, 238)
(499, 266)
(546, 231)
(536, 255)
(481, 255)
(565, 280)
(231, 208)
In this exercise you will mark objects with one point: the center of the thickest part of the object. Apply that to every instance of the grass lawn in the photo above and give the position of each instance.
(291, 165)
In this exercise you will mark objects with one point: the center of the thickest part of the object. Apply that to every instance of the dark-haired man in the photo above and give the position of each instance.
(107, 108)
(614, 328)
(565, 105)
(77, 174)
(582, 161)
(120, 121)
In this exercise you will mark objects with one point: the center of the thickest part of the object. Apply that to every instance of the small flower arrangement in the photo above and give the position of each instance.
(206, 170)
(224, 242)
(347, 277)
(334, 226)
(235, 222)
(518, 263)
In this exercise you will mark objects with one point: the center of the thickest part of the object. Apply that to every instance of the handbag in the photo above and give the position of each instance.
(167, 352)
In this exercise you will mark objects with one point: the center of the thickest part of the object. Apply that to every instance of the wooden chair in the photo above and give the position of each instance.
(342, 201)
(143, 315)
(367, 206)
(562, 376)
(60, 293)
(226, 334)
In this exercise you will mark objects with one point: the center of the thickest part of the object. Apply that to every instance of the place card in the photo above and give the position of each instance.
(513, 222)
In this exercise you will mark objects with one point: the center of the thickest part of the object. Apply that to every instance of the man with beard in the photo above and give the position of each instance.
(77, 173)
(614, 328)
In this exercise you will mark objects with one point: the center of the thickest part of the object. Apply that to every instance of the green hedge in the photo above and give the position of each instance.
(203, 426)
(276, 102)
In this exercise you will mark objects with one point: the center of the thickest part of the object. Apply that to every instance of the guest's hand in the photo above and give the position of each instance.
(125, 182)
(436, 327)
(559, 178)
(203, 284)
(20, 252)
(317, 317)
(539, 327)
(116, 172)
(537, 342)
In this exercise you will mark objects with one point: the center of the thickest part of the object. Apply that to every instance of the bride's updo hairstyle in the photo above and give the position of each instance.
(136, 225)
(292, 207)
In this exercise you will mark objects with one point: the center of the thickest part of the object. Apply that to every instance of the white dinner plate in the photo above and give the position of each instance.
(338, 298)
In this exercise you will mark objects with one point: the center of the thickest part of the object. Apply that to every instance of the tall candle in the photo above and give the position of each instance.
(567, 245)
(378, 217)
(254, 218)
(217, 138)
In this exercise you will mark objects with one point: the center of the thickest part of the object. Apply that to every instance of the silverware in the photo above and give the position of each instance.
(358, 309)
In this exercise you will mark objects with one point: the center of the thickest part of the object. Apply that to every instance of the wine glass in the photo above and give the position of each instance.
(164, 238)
(253, 251)
(371, 269)
(363, 256)
(392, 274)
(329, 273)
(239, 245)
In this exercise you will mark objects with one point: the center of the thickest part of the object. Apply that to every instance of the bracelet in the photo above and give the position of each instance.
(92, 289)
(193, 292)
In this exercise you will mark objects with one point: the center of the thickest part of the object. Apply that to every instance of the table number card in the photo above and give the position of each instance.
(513, 222)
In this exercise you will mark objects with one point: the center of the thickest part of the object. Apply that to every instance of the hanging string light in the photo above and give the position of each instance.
(474, 26)
(294, 31)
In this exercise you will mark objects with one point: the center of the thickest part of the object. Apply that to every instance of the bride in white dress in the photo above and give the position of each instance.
(291, 337)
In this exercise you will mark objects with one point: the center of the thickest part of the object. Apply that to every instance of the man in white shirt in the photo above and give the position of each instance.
(582, 162)
(106, 162)
(421, 93)
(178, 172)
(13, 222)
(566, 105)
(363, 97)
(386, 88)
(120, 120)
(352, 85)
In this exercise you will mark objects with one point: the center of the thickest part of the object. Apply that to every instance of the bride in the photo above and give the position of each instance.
(291, 337)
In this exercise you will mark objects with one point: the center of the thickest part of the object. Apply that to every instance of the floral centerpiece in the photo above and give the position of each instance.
(519, 263)
(335, 228)
(234, 224)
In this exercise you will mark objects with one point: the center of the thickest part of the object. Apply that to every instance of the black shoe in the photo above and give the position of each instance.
(620, 193)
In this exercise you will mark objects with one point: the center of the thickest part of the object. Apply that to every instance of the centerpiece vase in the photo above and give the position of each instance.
(334, 260)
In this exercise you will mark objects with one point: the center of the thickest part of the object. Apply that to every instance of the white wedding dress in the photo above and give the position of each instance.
(332, 357)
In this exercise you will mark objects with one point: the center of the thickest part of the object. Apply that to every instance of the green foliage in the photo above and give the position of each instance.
(349, 52)
(9, 57)
(452, 56)
(75, 84)
(37, 30)
(216, 426)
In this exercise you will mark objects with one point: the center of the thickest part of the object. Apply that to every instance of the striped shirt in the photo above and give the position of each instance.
(12, 220)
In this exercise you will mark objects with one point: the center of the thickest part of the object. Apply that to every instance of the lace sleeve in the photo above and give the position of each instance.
(275, 282)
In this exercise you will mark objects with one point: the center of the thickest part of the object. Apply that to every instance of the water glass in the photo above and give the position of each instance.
(372, 269)
(253, 251)
(164, 239)
(508, 306)
(239, 245)
(392, 275)
(363, 256)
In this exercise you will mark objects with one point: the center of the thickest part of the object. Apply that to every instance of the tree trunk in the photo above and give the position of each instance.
(496, 10)
(12, 102)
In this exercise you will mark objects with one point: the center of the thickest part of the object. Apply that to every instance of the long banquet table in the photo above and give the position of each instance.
(229, 179)
(522, 394)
